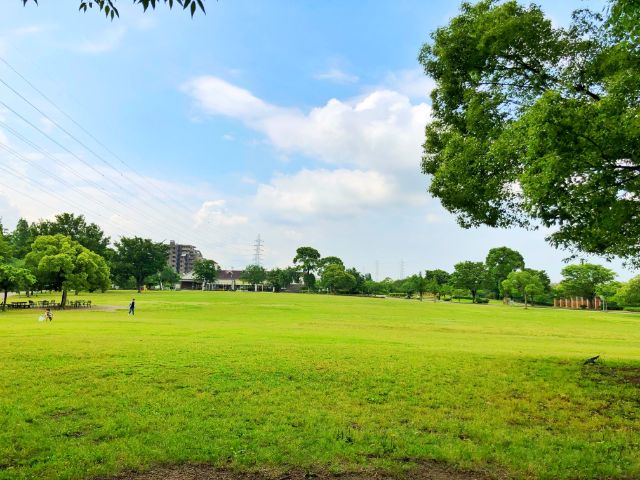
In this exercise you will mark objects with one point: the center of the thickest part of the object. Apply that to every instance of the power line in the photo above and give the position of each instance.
(84, 145)
(118, 200)
(87, 132)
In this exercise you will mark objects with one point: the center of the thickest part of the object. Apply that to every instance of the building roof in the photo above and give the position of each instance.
(223, 275)
(230, 274)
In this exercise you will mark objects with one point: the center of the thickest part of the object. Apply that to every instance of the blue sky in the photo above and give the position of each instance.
(299, 121)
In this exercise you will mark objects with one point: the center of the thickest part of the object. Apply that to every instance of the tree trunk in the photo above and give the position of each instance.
(473, 296)
(63, 300)
(4, 301)
(525, 301)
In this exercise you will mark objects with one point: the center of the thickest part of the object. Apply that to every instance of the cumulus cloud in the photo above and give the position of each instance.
(324, 193)
(382, 130)
(213, 212)
(108, 41)
(335, 75)
(412, 82)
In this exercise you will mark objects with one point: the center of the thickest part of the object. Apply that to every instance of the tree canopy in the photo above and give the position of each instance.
(524, 283)
(138, 258)
(206, 271)
(583, 280)
(110, 9)
(336, 279)
(60, 263)
(471, 276)
(500, 263)
(14, 279)
(254, 274)
(89, 235)
(536, 124)
(307, 259)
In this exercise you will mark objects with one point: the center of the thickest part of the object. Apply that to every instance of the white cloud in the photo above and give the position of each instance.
(323, 193)
(213, 212)
(108, 41)
(382, 130)
(335, 75)
(412, 82)
(218, 97)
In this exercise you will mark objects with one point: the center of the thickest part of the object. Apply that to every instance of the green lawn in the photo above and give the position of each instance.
(250, 381)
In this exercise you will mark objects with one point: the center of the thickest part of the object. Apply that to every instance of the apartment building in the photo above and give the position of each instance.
(183, 257)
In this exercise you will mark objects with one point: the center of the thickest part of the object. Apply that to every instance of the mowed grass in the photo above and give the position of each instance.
(260, 380)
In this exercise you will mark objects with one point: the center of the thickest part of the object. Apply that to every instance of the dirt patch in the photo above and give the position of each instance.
(423, 471)
(627, 374)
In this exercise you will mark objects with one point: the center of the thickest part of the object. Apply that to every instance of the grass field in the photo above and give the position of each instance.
(253, 381)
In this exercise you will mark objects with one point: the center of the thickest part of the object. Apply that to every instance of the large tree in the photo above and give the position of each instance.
(307, 259)
(583, 280)
(61, 263)
(281, 278)
(22, 238)
(110, 9)
(470, 276)
(525, 284)
(14, 279)
(89, 235)
(206, 271)
(166, 276)
(337, 280)
(254, 274)
(536, 124)
(138, 258)
(500, 263)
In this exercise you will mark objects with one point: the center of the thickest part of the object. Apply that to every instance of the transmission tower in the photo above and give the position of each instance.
(257, 252)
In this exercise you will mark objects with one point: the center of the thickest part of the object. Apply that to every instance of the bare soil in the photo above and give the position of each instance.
(423, 471)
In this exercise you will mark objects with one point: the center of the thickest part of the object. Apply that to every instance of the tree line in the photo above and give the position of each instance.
(69, 254)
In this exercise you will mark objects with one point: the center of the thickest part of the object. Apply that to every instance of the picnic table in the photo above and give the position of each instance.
(21, 304)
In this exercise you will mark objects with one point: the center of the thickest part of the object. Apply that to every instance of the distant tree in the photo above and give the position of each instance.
(108, 7)
(441, 277)
(254, 274)
(89, 235)
(610, 290)
(337, 280)
(14, 279)
(629, 293)
(524, 284)
(470, 276)
(62, 264)
(361, 278)
(307, 259)
(281, 278)
(420, 284)
(166, 276)
(6, 250)
(139, 258)
(500, 263)
(22, 238)
(436, 280)
(206, 271)
(583, 280)
(326, 261)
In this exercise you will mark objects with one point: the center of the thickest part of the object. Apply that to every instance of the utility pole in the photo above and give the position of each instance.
(257, 253)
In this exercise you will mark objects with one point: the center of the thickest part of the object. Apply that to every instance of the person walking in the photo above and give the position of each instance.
(132, 307)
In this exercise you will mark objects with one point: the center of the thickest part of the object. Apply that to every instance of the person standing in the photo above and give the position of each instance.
(132, 307)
